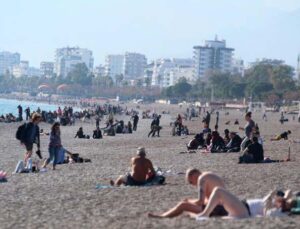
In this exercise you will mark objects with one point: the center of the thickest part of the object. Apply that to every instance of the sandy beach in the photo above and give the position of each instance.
(68, 198)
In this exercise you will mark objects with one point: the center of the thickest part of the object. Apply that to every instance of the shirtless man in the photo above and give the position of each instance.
(205, 183)
(141, 171)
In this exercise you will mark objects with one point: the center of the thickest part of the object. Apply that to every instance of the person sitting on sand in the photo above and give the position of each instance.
(142, 171)
(205, 182)
(254, 153)
(196, 142)
(283, 135)
(226, 136)
(274, 204)
(80, 134)
(97, 134)
(234, 144)
(216, 143)
(185, 131)
(206, 128)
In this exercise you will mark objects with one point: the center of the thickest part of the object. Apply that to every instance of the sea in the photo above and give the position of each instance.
(10, 106)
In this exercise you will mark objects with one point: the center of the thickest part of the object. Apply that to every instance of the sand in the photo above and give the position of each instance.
(68, 198)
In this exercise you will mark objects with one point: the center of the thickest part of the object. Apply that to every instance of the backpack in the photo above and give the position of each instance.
(20, 131)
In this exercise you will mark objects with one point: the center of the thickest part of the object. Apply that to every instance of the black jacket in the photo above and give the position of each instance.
(27, 134)
(97, 134)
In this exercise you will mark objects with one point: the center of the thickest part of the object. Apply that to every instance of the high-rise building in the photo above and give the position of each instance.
(212, 56)
(67, 58)
(114, 65)
(47, 68)
(131, 65)
(134, 65)
(7, 61)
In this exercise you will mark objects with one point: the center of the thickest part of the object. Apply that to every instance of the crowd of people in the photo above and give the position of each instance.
(213, 197)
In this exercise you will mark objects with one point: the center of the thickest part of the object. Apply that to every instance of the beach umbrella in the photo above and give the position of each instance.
(62, 87)
(43, 86)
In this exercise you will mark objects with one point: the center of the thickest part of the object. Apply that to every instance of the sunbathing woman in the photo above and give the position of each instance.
(272, 205)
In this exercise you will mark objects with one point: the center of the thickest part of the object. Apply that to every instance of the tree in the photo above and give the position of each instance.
(80, 75)
(139, 83)
(148, 81)
(181, 88)
(119, 78)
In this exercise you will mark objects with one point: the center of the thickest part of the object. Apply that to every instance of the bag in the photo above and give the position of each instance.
(21, 131)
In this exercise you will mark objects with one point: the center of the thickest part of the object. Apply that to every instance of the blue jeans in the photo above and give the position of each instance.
(53, 155)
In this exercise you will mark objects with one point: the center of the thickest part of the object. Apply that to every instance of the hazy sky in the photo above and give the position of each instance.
(157, 28)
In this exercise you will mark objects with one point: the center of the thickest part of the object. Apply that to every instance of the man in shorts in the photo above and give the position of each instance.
(31, 135)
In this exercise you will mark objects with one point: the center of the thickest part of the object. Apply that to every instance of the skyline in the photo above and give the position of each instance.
(255, 29)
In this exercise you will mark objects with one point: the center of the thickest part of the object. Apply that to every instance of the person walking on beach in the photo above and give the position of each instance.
(135, 121)
(54, 145)
(27, 112)
(207, 118)
(20, 111)
(155, 126)
(31, 135)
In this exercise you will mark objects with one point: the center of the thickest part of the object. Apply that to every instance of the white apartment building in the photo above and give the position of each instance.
(134, 65)
(161, 67)
(99, 70)
(47, 68)
(172, 75)
(67, 58)
(212, 56)
(238, 67)
(166, 72)
(20, 69)
(7, 61)
(114, 65)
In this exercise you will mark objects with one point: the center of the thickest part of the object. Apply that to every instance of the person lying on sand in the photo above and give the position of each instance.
(274, 204)
(283, 135)
(142, 171)
(205, 182)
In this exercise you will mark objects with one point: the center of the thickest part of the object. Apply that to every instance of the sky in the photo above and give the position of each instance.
(156, 28)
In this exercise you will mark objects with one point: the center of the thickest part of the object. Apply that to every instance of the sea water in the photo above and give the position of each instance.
(10, 106)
